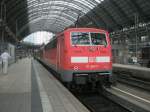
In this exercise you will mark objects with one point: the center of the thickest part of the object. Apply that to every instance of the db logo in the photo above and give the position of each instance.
(92, 59)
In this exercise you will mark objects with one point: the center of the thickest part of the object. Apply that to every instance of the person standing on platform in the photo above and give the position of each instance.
(5, 58)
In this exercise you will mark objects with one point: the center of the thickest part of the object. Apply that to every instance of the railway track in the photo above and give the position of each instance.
(125, 78)
(96, 102)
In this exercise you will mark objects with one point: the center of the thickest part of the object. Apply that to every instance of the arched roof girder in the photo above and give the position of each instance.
(21, 13)
(53, 17)
(36, 20)
(69, 10)
(54, 29)
(75, 5)
(68, 17)
(84, 4)
(63, 17)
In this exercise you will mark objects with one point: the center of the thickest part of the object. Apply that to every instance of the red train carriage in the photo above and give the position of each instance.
(80, 55)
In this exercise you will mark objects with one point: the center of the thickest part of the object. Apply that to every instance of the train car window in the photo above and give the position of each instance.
(98, 39)
(80, 38)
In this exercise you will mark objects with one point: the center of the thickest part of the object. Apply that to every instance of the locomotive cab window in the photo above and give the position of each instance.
(87, 38)
(98, 39)
(80, 38)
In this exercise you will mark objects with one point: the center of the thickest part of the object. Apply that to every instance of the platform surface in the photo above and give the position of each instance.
(29, 87)
(54, 93)
(15, 87)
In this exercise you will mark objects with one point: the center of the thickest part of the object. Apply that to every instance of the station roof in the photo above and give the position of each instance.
(27, 16)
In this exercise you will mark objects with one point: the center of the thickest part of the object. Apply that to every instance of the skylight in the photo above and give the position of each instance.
(99, 1)
(38, 38)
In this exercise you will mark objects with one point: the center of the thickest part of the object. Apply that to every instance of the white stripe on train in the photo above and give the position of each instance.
(90, 59)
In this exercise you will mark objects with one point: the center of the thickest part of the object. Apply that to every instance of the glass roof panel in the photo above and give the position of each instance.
(99, 1)
(47, 17)
(82, 5)
(59, 12)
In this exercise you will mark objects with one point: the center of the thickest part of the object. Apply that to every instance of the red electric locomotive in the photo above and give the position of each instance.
(80, 55)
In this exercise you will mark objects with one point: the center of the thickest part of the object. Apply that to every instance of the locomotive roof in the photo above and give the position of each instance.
(86, 29)
(78, 29)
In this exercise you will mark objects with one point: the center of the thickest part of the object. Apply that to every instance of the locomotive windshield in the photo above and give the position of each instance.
(87, 38)
(80, 38)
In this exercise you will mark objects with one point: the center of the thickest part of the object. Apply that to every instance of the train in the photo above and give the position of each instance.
(80, 56)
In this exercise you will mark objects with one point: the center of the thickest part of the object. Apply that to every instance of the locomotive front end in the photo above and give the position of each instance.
(90, 55)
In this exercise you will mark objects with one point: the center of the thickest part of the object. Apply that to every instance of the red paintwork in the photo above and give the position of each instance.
(65, 51)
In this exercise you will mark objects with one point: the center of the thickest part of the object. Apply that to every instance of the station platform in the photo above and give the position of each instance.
(29, 87)
(15, 87)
